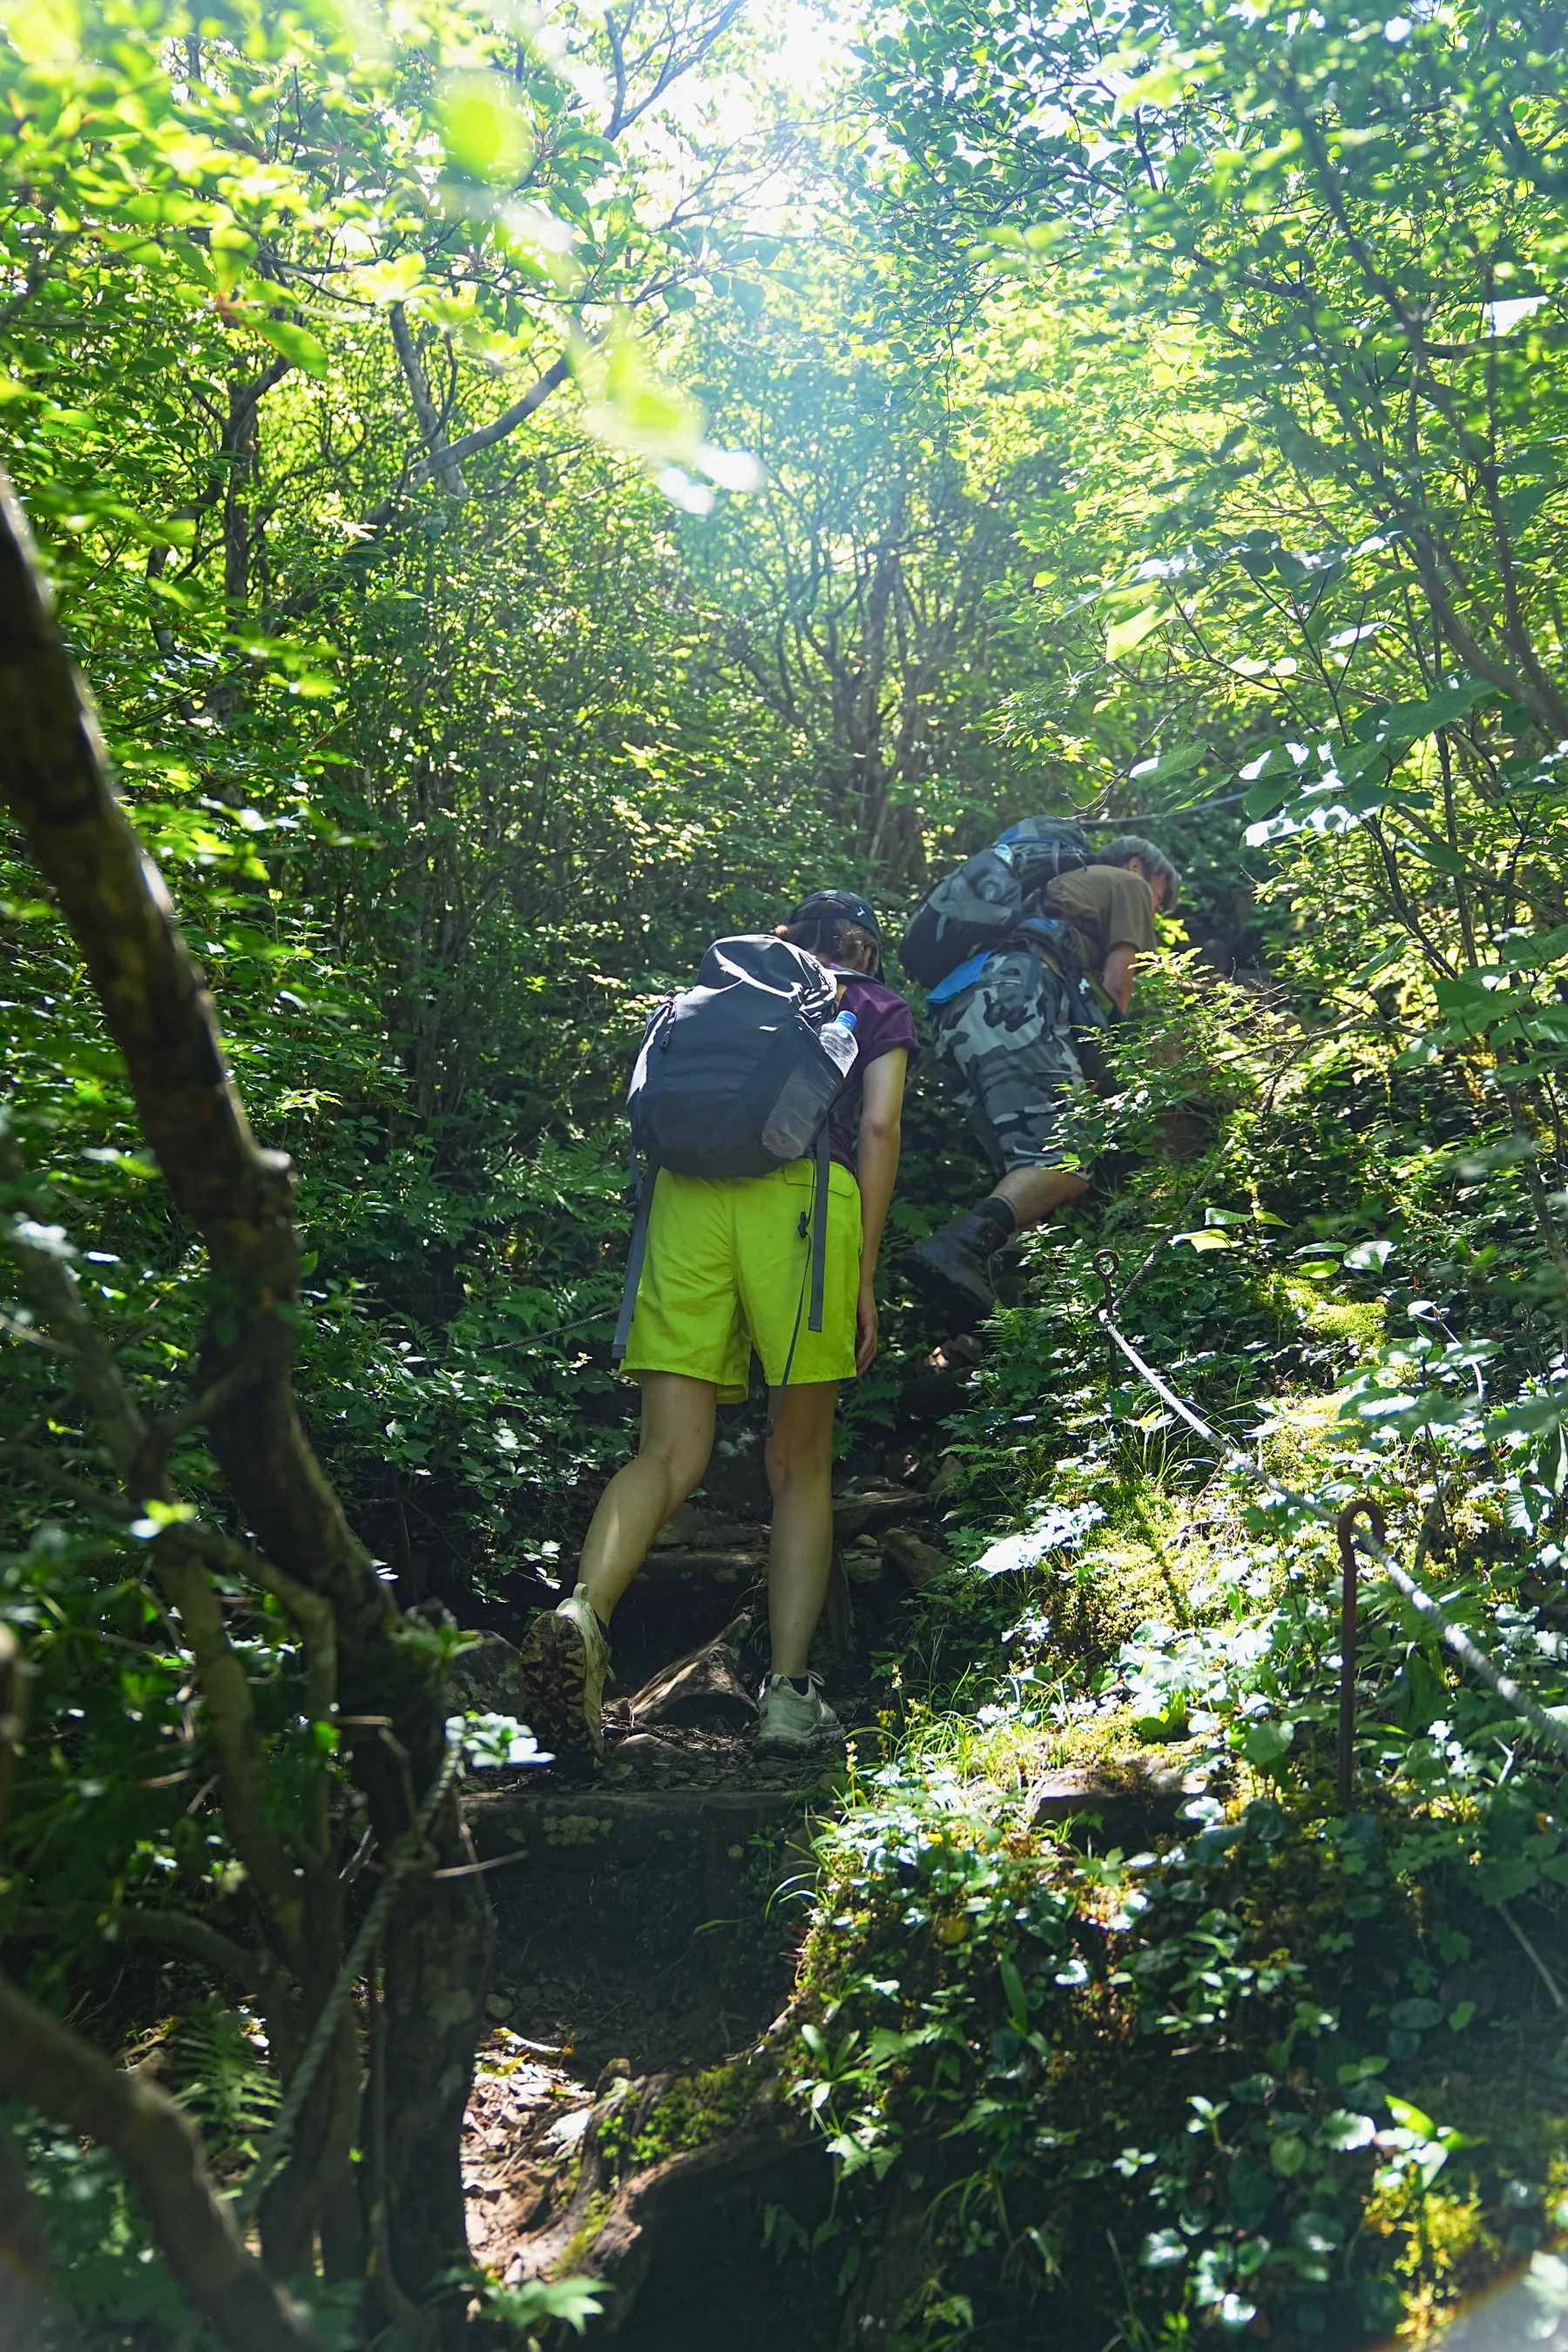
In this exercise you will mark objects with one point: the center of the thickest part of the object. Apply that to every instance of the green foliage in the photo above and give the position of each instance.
(1247, 2062)
(1224, 2050)
(100, 2242)
(1159, 415)
(575, 2301)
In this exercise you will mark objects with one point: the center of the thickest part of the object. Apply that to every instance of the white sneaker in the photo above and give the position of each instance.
(565, 1659)
(792, 1719)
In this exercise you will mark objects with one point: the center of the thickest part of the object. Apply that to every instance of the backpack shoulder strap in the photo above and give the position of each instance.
(819, 1229)
(815, 1273)
(636, 1257)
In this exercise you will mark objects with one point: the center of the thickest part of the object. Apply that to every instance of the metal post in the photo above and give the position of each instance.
(1107, 1265)
(1363, 1506)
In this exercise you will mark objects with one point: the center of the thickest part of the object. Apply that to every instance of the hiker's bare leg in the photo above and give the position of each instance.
(672, 1454)
(1032, 1192)
(800, 1475)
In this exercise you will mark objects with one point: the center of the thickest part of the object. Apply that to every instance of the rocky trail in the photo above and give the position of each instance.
(648, 1918)
(625, 2122)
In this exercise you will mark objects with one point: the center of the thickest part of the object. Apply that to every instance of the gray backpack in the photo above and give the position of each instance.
(972, 911)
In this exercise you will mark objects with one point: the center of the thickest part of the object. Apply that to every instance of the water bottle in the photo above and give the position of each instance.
(838, 1041)
(810, 1092)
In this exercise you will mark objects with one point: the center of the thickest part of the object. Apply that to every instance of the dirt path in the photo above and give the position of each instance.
(648, 1923)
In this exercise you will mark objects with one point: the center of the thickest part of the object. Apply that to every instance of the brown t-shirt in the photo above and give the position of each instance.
(1104, 906)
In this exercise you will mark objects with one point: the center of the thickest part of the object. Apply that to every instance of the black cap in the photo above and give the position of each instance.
(845, 905)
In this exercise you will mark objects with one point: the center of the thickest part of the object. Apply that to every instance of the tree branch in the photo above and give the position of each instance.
(242, 1759)
(54, 778)
(439, 463)
(484, 436)
(177, 1931)
(309, 1611)
(618, 67)
(676, 62)
(43, 2061)
(147, 1475)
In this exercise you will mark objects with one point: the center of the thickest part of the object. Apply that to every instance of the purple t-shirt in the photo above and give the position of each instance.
(883, 1022)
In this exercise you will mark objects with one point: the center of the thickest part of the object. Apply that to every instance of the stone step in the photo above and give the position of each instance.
(1132, 1797)
(869, 1511)
(692, 1529)
(703, 1833)
(679, 1569)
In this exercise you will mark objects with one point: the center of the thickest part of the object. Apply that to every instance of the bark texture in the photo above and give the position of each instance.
(53, 779)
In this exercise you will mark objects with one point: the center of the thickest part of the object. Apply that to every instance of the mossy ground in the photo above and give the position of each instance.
(1287, 2073)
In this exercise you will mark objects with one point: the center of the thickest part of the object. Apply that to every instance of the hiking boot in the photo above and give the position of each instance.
(793, 1718)
(565, 1659)
(951, 1270)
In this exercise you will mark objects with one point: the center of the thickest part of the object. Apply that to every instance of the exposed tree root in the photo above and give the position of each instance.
(589, 2217)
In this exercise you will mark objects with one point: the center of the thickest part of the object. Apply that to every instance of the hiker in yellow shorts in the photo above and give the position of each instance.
(723, 1275)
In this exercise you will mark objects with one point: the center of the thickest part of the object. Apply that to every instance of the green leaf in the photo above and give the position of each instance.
(1123, 636)
(485, 132)
(1412, 723)
(1501, 1882)
(1271, 776)
(389, 281)
(296, 342)
(1536, 949)
(1319, 2233)
(1162, 2250)
(1013, 1994)
(1264, 1744)
(1435, 854)
(1530, 1417)
(574, 2300)
(1178, 761)
(1343, 2129)
(1265, 799)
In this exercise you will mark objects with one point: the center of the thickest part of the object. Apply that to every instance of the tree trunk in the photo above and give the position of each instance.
(54, 778)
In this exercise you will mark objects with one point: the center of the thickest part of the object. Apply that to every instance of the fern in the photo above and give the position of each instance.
(224, 2080)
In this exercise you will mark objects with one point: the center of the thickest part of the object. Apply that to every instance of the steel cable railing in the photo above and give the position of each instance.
(1541, 1720)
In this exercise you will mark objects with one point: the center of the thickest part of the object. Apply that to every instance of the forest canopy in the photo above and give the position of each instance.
(499, 498)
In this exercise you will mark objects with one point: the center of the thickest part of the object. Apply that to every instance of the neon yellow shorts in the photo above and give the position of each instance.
(727, 1271)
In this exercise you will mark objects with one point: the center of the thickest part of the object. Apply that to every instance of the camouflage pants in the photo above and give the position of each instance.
(1005, 1046)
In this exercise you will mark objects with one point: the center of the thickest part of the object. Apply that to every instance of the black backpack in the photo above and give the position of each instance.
(733, 1079)
(978, 907)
